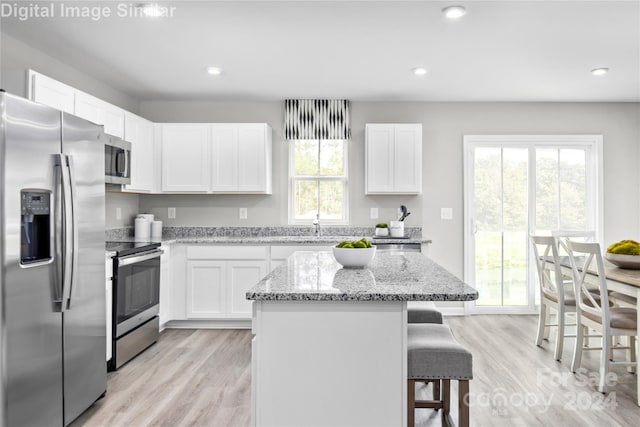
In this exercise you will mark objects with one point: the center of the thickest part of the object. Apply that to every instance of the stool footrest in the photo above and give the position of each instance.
(434, 404)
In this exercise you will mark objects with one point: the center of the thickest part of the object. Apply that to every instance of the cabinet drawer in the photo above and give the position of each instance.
(227, 252)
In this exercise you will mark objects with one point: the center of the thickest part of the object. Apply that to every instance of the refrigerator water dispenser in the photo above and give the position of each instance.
(35, 236)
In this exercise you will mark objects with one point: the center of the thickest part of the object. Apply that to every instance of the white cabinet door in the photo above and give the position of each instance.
(242, 276)
(97, 111)
(241, 158)
(224, 157)
(254, 154)
(185, 157)
(379, 158)
(47, 91)
(407, 160)
(206, 289)
(140, 133)
(393, 159)
(166, 313)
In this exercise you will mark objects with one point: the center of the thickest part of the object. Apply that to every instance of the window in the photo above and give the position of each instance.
(318, 181)
(519, 185)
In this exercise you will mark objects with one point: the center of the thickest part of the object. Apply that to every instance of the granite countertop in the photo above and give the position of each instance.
(316, 276)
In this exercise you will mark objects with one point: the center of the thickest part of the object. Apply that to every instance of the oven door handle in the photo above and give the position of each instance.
(133, 259)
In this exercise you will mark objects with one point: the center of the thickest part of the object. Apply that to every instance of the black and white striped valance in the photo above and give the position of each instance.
(316, 119)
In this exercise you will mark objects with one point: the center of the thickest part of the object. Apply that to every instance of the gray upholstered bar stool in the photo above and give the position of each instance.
(434, 354)
(423, 312)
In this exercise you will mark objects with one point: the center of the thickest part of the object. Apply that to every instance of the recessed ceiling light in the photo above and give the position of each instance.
(419, 71)
(151, 10)
(214, 71)
(599, 71)
(454, 12)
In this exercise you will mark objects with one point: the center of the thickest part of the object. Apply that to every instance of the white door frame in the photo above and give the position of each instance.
(470, 142)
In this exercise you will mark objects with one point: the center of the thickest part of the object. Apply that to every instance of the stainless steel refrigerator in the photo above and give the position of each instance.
(52, 299)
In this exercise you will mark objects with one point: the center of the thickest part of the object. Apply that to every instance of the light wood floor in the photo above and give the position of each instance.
(202, 378)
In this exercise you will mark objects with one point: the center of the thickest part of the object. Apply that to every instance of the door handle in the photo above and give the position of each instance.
(67, 232)
(58, 218)
(74, 237)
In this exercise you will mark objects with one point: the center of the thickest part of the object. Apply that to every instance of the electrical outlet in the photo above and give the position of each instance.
(118, 213)
(171, 213)
(374, 213)
(446, 213)
(242, 213)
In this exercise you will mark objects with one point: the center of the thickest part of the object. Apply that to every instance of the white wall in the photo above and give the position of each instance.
(444, 125)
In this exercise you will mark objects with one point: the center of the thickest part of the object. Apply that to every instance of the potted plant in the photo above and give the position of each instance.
(382, 230)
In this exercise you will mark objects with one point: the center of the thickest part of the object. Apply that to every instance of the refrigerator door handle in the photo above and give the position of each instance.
(59, 226)
(67, 230)
(74, 230)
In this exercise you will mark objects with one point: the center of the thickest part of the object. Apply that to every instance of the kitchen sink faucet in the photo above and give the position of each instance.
(316, 225)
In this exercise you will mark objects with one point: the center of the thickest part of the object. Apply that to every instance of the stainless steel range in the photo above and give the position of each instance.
(136, 298)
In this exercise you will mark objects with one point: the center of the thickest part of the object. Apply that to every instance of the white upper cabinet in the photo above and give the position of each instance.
(140, 133)
(241, 158)
(185, 157)
(216, 158)
(47, 91)
(393, 159)
(97, 111)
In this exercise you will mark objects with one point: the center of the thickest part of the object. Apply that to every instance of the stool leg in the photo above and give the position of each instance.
(411, 402)
(436, 390)
(446, 397)
(463, 403)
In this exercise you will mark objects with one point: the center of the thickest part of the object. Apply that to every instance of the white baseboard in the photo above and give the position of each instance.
(208, 324)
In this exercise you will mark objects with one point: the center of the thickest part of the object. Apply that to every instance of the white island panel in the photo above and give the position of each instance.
(329, 363)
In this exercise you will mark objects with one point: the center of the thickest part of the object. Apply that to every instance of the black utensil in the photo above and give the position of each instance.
(405, 216)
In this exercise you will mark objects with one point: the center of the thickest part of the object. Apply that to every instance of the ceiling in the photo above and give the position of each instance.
(360, 50)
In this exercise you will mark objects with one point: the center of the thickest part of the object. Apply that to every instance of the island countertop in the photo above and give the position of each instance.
(391, 276)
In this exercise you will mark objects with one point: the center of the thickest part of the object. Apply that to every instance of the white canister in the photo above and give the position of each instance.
(156, 229)
(142, 229)
(396, 228)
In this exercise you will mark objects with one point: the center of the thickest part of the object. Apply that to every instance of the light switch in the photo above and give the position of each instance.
(243, 213)
(374, 213)
(118, 213)
(446, 213)
(171, 213)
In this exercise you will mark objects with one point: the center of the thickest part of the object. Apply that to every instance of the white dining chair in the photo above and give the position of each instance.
(593, 310)
(555, 292)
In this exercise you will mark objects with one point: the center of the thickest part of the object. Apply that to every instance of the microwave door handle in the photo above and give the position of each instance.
(74, 238)
(58, 223)
(67, 233)
(125, 172)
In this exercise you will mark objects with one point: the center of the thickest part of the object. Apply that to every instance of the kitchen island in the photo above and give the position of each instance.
(330, 343)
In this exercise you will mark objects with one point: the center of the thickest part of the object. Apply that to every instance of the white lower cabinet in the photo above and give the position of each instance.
(205, 289)
(218, 278)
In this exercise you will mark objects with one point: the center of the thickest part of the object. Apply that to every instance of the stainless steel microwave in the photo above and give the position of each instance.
(117, 160)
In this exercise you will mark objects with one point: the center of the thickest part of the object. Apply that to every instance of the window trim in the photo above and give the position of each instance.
(344, 178)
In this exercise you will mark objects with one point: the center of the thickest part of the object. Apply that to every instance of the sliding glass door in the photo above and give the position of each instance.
(514, 186)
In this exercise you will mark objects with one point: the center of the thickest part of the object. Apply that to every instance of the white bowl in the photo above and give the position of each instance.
(354, 257)
(624, 261)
